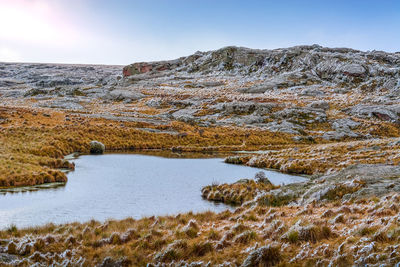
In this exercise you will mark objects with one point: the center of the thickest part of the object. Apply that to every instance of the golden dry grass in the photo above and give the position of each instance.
(321, 158)
(300, 234)
(236, 193)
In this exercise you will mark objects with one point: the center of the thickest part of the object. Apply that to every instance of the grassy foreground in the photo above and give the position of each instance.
(314, 235)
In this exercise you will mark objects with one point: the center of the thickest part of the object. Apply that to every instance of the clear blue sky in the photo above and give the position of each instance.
(121, 31)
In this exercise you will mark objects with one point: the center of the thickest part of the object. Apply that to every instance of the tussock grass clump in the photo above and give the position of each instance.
(365, 230)
(201, 249)
(307, 233)
(339, 219)
(394, 233)
(260, 177)
(292, 236)
(275, 200)
(381, 236)
(12, 229)
(314, 233)
(11, 248)
(266, 256)
(338, 191)
(214, 235)
(191, 229)
(239, 228)
(246, 237)
(167, 255)
(237, 159)
(237, 193)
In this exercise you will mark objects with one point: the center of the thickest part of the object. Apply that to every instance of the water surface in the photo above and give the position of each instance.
(126, 185)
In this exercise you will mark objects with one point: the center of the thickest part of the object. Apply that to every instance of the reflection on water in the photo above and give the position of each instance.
(126, 185)
(24, 189)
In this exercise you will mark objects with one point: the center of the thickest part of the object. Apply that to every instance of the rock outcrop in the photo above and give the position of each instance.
(285, 67)
(97, 147)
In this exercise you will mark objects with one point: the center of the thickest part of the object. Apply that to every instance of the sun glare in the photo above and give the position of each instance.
(34, 22)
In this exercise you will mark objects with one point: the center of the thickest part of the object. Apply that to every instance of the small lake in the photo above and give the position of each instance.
(126, 185)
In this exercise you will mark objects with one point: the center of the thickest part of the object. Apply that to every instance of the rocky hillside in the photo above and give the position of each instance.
(286, 90)
(311, 92)
(288, 67)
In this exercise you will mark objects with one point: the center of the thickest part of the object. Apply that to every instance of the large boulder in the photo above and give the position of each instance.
(244, 107)
(339, 134)
(97, 147)
(321, 104)
(355, 70)
(344, 124)
(331, 68)
(382, 112)
(278, 82)
(301, 115)
(147, 67)
(185, 115)
(343, 128)
(63, 103)
(282, 81)
(126, 95)
(284, 127)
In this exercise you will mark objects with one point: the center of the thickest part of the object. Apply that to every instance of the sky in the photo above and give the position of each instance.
(121, 31)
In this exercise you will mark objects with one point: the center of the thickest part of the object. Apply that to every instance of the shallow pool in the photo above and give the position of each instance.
(126, 185)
